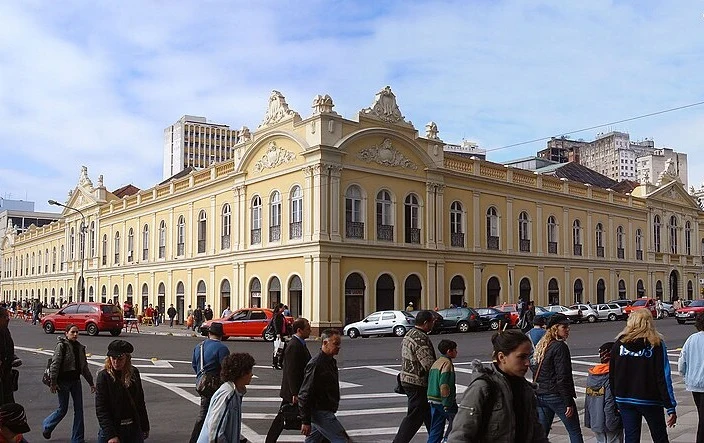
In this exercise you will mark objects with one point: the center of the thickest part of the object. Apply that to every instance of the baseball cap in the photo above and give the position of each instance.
(13, 417)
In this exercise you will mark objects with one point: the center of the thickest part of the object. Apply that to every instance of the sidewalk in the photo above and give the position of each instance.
(163, 329)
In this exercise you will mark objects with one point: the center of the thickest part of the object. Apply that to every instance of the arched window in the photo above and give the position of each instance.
(384, 216)
(492, 228)
(412, 219)
(130, 245)
(226, 226)
(82, 243)
(105, 250)
(62, 257)
(456, 228)
(639, 244)
(255, 294)
(577, 238)
(523, 232)
(354, 217)
(620, 240)
(39, 262)
(552, 235)
(688, 238)
(92, 239)
(275, 217)
(202, 231)
(256, 231)
(162, 239)
(599, 240)
(181, 236)
(117, 247)
(53, 259)
(656, 233)
(296, 224)
(71, 245)
(673, 235)
(46, 261)
(145, 242)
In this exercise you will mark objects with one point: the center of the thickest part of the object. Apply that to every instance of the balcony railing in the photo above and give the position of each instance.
(577, 249)
(162, 252)
(225, 241)
(412, 235)
(117, 258)
(385, 232)
(275, 233)
(620, 253)
(639, 254)
(180, 249)
(354, 229)
(145, 254)
(524, 245)
(552, 247)
(599, 251)
(255, 236)
(104, 261)
(201, 246)
(295, 230)
(492, 242)
(457, 239)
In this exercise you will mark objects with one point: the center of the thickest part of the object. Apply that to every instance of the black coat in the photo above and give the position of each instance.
(296, 357)
(320, 390)
(555, 375)
(112, 403)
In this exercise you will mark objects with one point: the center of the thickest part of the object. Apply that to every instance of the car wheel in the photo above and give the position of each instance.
(92, 329)
(612, 317)
(665, 314)
(353, 333)
(115, 332)
(494, 325)
(463, 326)
(680, 322)
(49, 327)
(399, 331)
(268, 335)
(591, 319)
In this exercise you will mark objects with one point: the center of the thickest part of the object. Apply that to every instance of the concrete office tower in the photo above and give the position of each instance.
(649, 166)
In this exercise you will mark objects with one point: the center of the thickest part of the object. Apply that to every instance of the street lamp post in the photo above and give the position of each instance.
(79, 289)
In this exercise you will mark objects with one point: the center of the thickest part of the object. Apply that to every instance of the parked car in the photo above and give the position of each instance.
(642, 303)
(542, 312)
(247, 322)
(381, 323)
(437, 326)
(609, 311)
(621, 302)
(667, 310)
(512, 309)
(90, 317)
(492, 318)
(573, 314)
(588, 312)
(458, 319)
(689, 313)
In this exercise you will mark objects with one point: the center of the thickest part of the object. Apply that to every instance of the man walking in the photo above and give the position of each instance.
(172, 313)
(207, 359)
(296, 357)
(37, 312)
(418, 356)
(7, 356)
(197, 318)
(319, 396)
(208, 313)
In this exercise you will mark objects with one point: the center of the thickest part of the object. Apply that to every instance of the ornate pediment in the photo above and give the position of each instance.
(674, 193)
(274, 157)
(277, 111)
(386, 155)
(385, 108)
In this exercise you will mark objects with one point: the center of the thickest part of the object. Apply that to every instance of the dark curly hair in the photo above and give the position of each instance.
(236, 365)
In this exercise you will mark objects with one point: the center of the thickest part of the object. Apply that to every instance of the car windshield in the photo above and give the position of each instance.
(696, 304)
(540, 310)
(110, 309)
(640, 302)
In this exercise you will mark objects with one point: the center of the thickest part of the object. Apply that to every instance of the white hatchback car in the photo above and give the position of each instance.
(588, 312)
(381, 323)
(609, 311)
(574, 314)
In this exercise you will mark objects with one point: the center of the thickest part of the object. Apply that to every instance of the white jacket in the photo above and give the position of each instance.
(691, 362)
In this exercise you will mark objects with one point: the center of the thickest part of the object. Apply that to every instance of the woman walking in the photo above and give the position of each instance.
(552, 371)
(67, 366)
(691, 366)
(499, 404)
(119, 403)
(223, 423)
(279, 323)
(639, 374)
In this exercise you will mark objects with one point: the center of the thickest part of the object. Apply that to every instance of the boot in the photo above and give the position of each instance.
(275, 362)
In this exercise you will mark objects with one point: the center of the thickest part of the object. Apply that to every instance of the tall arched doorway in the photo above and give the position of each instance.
(600, 291)
(578, 291)
(640, 289)
(621, 289)
(354, 298)
(658, 289)
(225, 292)
(180, 302)
(690, 290)
(493, 291)
(200, 294)
(674, 286)
(411, 290)
(295, 296)
(161, 298)
(274, 292)
(385, 292)
(457, 288)
(524, 290)
(553, 292)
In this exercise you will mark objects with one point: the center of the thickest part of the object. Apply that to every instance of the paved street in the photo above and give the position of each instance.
(369, 408)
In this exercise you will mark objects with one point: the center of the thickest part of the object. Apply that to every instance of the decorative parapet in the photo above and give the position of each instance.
(322, 104)
(277, 111)
(386, 155)
(274, 157)
(385, 108)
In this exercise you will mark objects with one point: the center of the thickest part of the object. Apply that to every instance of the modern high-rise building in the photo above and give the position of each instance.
(194, 141)
(562, 150)
(649, 166)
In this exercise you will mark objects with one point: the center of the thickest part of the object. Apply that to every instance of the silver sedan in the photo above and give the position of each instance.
(609, 311)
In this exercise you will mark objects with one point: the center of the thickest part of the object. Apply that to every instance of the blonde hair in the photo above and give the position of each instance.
(640, 325)
(542, 346)
(127, 372)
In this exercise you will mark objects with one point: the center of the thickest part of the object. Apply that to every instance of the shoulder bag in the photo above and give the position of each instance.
(46, 377)
(206, 383)
(292, 421)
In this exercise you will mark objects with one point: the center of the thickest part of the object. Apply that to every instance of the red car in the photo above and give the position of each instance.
(90, 317)
(689, 312)
(642, 303)
(248, 322)
(512, 309)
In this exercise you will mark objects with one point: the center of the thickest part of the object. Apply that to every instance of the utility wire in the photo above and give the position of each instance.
(597, 126)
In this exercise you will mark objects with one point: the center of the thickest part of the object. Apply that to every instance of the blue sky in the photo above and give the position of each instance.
(96, 84)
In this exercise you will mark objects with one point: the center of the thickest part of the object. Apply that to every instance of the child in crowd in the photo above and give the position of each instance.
(442, 394)
(600, 413)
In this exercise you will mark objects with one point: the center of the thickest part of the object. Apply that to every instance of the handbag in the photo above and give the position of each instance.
(206, 383)
(46, 378)
(15, 380)
(399, 387)
(292, 421)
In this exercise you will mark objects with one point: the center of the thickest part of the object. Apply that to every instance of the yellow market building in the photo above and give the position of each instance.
(339, 218)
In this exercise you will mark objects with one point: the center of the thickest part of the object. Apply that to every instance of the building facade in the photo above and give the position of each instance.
(339, 218)
(650, 165)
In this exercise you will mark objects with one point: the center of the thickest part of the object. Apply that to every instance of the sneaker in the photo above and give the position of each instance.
(46, 433)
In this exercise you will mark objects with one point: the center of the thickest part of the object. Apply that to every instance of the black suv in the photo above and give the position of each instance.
(459, 319)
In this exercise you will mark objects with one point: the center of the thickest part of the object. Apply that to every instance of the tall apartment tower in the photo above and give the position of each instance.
(650, 166)
(612, 155)
(193, 141)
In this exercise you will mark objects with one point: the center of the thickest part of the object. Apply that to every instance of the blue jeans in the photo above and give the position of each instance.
(131, 433)
(632, 416)
(438, 417)
(551, 404)
(66, 389)
(325, 424)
